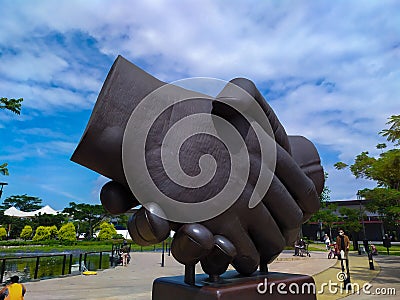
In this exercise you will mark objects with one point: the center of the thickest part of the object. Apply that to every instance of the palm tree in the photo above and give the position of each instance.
(393, 133)
(13, 105)
(4, 169)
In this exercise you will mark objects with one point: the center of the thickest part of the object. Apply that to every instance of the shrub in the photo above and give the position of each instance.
(42, 233)
(67, 233)
(26, 233)
(3, 233)
(107, 231)
(53, 231)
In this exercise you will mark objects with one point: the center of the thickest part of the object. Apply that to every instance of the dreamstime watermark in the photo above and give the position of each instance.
(191, 115)
(329, 287)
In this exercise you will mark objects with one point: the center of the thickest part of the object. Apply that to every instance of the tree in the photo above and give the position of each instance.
(381, 146)
(22, 202)
(48, 220)
(26, 233)
(42, 233)
(3, 233)
(385, 202)
(325, 196)
(4, 169)
(53, 231)
(67, 233)
(393, 133)
(88, 215)
(107, 231)
(385, 171)
(351, 222)
(13, 105)
(327, 216)
(340, 165)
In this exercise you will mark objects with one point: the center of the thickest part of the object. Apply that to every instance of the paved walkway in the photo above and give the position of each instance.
(135, 281)
(387, 284)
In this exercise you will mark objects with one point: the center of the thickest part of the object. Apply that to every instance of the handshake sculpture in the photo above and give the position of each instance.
(219, 171)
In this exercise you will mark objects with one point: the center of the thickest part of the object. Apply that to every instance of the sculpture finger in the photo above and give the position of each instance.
(283, 208)
(116, 198)
(307, 157)
(265, 234)
(146, 228)
(191, 243)
(247, 258)
(218, 260)
(233, 94)
(297, 183)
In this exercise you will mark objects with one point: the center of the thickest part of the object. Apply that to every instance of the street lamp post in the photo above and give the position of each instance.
(2, 184)
(359, 198)
(365, 241)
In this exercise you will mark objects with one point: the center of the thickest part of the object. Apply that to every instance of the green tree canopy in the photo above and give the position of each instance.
(88, 215)
(327, 216)
(67, 233)
(3, 233)
(351, 219)
(385, 171)
(43, 233)
(26, 232)
(48, 220)
(385, 202)
(4, 169)
(22, 202)
(393, 133)
(107, 231)
(325, 196)
(13, 105)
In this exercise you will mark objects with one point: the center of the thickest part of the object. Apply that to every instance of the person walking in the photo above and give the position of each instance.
(13, 291)
(125, 253)
(327, 241)
(343, 244)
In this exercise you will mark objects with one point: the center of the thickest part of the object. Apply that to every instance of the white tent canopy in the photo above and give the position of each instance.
(14, 212)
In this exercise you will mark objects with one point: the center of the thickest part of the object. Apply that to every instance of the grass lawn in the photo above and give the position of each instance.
(394, 250)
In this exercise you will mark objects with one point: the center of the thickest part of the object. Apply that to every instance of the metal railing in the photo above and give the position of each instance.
(66, 267)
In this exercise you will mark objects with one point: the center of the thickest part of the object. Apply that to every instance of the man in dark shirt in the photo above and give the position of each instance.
(343, 243)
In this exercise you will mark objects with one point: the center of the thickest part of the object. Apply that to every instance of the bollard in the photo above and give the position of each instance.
(347, 281)
(371, 261)
(100, 259)
(162, 255)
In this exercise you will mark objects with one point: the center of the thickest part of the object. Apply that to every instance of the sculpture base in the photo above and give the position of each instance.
(233, 286)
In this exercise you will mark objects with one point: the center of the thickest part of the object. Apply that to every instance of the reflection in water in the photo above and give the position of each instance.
(52, 266)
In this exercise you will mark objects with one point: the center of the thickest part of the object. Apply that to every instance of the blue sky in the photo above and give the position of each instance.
(330, 70)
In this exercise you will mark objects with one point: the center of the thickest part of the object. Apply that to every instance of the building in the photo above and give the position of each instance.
(372, 225)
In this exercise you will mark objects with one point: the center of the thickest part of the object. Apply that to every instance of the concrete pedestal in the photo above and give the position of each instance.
(233, 286)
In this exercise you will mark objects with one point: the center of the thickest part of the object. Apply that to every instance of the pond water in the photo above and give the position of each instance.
(51, 266)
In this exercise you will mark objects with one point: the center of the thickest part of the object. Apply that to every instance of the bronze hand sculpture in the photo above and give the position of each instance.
(246, 234)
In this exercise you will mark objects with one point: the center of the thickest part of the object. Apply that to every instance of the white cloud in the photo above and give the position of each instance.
(330, 68)
(25, 150)
(343, 184)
